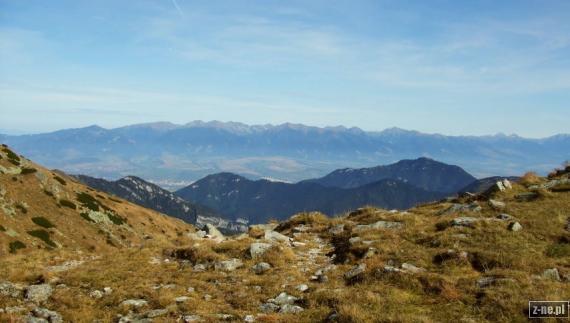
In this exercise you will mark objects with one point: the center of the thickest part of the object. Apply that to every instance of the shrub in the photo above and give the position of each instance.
(44, 236)
(86, 217)
(28, 171)
(88, 201)
(67, 203)
(115, 218)
(2, 228)
(21, 207)
(48, 193)
(59, 179)
(16, 245)
(12, 157)
(43, 222)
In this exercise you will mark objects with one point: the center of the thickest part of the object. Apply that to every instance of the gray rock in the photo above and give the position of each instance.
(182, 299)
(38, 293)
(507, 184)
(355, 272)
(156, 313)
(391, 269)
(515, 226)
(412, 269)
(302, 288)
(337, 229)
(213, 232)
(199, 268)
(108, 290)
(258, 249)
(283, 299)
(379, 225)
(191, 318)
(46, 315)
(485, 282)
(268, 308)
(276, 236)
(497, 205)
(504, 217)
(291, 309)
(11, 290)
(464, 221)
(526, 197)
(551, 274)
(261, 267)
(354, 240)
(249, 318)
(134, 303)
(97, 294)
(228, 265)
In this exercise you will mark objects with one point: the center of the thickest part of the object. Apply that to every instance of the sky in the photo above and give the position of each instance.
(450, 67)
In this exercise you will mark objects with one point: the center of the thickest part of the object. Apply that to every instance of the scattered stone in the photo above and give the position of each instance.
(134, 303)
(283, 299)
(337, 229)
(356, 272)
(44, 315)
(485, 282)
(302, 288)
(379, 225)
(370, 253)
(257, 249)
(182, 299)
(199, 268)
(497, 205)
(391, 269)
(68, 265)
(298, 244)
(504, 217)
(228, 265)
(354, 240)
(207, 297)
(15, 309)
(412, 269)
(268, 308)
(551, 274)
(464, 221)
(191, 290)
(97, 294)
(10, 289)
(291, 309)
(515, 226)
(213, 233)
(249, 318)
(276, 236)
(108, 290)
(301, 228)
(38, 293)
(191, 318)
(156, 313)
(526, 197)
(261, 267)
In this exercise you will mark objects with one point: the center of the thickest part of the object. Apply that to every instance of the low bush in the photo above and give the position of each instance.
(60, 180)
(88, 201)
(44, 236)
(67, 204)
(16, 245)
(26, 170)
(43, 222)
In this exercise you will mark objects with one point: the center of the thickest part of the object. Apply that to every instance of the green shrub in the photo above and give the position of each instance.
(59, 179)
(115, 200)
(12, 157)
(43, 222)
(2, 228)
(67, 203)
(86, 217)
(48, 193)
(44, 236)
(28, 171)
(115, 218)
(88, 201)
(16, 245)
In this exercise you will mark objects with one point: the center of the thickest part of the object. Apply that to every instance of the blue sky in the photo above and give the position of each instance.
(451, 67)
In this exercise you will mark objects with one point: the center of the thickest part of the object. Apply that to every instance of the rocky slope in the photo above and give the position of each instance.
(423, 173)
(259, 201)
(478, 258)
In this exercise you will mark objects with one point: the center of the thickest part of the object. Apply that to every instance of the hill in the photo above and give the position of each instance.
(459, 260)
(42, 209)
(176, 155)
(483, 184)
(261, 200)
(424, 173)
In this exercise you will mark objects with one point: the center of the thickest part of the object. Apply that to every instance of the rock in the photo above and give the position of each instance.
(191, 318)
(284, 299)
(156, 313)
(551, 274)
(515, 226)
(10, 289)
(354, 240)
(391, 269)
(355, 272)
(191, 290)
(300, 228)
(412, 269)
(337, 229)
(228, 265)
(526, 197)
(97, 294)
(46, 315)
(258, 249)
(268, 308)
(213, 232)
(276, 236)
(507, 184)
(370, 253)
(207, 297)
(504, 217)
(134, 303)
(302, 288)
(38, 293)
(249, 318)
(261, 267)
(298, 244)
(199, 268)
(15, 309)
(464, 221)
(485, 282)
(108, 290)
(497, 205)
(290, 309)
(182, 299)
(379, 225)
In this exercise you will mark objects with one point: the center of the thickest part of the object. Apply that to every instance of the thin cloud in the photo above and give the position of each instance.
(175, 3)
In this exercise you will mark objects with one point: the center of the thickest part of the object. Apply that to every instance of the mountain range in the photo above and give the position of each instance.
(174, 156)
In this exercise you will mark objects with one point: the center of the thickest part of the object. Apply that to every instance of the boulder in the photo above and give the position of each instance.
(268, 308)
(380, 225)
(134, 303)
(38, 293)
(412, 269)
(504, 217)
(497, 205)
(213, 232)
(44, 315)
(12, 290)
(284, 299)
(551, 274)
(258, 249)
(302, 288)
(464, 221)
(355, 272)
(228, 265)
(261, 267)
(276, 236)
(515, 226)
(97, 294)
(291, 309)
(337, 229)
(182, 299)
